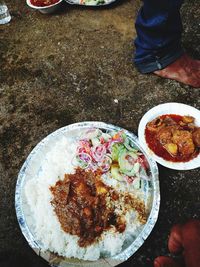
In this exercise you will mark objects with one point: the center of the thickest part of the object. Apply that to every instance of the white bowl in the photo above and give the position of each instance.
(169, 108)
(45, 9)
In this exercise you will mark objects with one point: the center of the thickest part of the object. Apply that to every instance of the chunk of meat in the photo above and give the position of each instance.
(158, 123)
(187, 126)
(196, 137)
(164, 135)
(184, 141)
(168, 121)
(155, 124)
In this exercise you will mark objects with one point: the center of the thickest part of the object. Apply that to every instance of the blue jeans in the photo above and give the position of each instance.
(159, 29)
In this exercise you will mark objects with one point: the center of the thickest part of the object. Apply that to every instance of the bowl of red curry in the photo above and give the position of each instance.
(170, 134)
(45, 6)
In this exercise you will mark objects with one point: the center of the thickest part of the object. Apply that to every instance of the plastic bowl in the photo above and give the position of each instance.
(46, 9)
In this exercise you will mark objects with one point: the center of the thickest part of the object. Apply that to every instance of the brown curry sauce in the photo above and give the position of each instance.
(81, 204)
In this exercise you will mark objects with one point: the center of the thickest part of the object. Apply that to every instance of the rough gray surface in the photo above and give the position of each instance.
(69, 67)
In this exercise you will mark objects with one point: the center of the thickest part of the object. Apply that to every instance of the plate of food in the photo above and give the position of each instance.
(90, 2)
(170, 134)
(86, 194)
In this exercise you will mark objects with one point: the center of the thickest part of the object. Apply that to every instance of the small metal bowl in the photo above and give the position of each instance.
(46, 9)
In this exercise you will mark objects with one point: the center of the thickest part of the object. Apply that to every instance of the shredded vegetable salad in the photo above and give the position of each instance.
(93, 2)
(112, 152)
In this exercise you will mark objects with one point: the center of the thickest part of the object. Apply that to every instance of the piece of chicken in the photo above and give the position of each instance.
(164, 135)
(187, 123)
(155, 124)
(184, 141)
(168, 121)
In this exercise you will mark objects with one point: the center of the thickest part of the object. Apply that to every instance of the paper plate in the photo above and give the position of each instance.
(33, 167)
(91, 3)
(169, 108)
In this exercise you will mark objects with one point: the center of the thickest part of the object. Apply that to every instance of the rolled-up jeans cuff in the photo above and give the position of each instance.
(154, 63)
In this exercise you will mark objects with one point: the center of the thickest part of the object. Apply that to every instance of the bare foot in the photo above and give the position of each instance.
(185, 70)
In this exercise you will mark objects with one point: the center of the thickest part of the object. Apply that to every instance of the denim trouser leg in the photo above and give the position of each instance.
(159, 29)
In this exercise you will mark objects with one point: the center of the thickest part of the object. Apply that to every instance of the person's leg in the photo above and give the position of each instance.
(158, 43)
(159, 29)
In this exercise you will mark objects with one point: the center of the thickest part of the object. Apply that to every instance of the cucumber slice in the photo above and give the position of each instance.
(134, 171)
(127, 162)
(128, 144)
(137, 183)
(116, 148)
(116, 173)
(136, 167)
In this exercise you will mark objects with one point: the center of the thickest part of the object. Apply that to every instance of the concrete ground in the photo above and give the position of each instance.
(72, 66)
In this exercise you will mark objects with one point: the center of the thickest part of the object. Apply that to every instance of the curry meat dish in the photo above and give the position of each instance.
(86, 207)
(173, 137)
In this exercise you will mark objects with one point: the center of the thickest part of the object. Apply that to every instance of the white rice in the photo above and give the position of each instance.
(47, 228)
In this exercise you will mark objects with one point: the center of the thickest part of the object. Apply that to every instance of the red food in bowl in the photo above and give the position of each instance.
(43, 3)
(173, 137)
